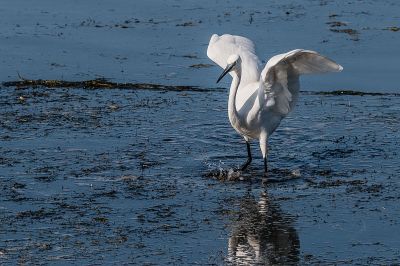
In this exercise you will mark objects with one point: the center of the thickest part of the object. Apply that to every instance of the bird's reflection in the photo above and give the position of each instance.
(262, 234)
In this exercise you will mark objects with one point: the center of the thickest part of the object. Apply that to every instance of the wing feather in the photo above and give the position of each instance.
(280, 78)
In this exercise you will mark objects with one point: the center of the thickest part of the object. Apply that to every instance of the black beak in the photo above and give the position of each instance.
(226, 71)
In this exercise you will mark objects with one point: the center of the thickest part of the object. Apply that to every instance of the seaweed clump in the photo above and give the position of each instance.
(100, 83)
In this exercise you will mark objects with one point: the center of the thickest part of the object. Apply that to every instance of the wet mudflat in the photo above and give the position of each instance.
(128, 176)
(109, 172)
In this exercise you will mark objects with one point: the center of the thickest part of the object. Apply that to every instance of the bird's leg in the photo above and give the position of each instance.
(249, 158)
(264, 151)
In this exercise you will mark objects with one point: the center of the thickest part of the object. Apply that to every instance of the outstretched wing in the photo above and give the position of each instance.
(280, 77)
(221, 47)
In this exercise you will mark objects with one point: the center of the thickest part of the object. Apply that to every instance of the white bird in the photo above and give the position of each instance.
(259, 100)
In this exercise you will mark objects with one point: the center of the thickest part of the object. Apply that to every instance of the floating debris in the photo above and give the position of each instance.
(336, 23)
(129, 178)
(201, 66)
(100, 219)
(352, 33)
(191, 56)
(354, 93)
(335, 183)
(113, 106)
(21, 99)
(189, 24)
(123, 25)
(333, 153)
(393, 28)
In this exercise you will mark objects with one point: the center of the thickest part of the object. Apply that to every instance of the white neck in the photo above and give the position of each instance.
(232, 111)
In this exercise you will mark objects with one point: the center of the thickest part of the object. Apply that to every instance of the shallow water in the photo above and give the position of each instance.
(165, 41)
(125, 176)
(110, 176)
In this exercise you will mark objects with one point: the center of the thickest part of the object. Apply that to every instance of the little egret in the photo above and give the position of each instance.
(259, 100)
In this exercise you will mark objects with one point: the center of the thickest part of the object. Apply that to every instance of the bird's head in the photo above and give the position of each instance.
(232, 64)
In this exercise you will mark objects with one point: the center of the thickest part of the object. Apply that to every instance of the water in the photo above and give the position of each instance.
(119, 176)
(153, 41)
(101, 176)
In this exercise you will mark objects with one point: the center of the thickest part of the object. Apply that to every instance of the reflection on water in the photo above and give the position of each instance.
(262, 234)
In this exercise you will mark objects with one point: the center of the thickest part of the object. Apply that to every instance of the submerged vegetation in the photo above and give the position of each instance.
(97, 84)
(102, 83)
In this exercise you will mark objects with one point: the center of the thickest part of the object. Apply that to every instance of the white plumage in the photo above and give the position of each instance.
(259, 100)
